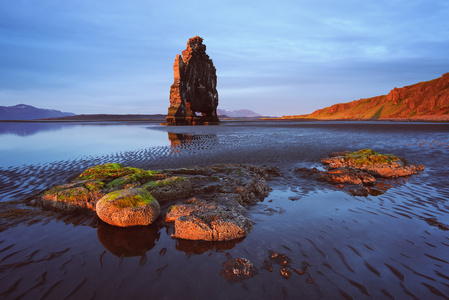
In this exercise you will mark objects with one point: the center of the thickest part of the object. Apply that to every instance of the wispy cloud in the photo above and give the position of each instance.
(117, 56)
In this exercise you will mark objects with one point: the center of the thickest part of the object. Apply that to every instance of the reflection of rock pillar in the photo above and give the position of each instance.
(177, 140)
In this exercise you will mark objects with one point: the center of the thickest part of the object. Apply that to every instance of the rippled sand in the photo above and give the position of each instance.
(378, 247)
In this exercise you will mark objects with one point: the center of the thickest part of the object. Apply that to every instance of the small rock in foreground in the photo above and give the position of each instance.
(238, 269)
(208, 221)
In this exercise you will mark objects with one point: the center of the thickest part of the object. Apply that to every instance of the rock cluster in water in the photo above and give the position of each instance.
(208, 202)
(238, 269)
(361, 169)
(195, 87)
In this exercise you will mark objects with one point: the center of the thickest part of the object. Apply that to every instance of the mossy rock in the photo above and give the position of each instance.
(369, 157)
(128, 207)
(94, 185)
(109, 172)
(169, 188)
(135, 179)
(73, 195)
(164, 182)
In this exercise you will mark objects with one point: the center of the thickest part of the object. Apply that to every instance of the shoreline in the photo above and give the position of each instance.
(407, 120)
(243, 120)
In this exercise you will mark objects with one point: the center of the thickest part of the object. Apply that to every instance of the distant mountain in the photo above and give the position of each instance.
(28, 112)
(241, 113)
(427, 100)
(105, 118)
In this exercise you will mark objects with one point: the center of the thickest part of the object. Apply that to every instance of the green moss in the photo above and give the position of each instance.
(122, 181)
(70, 195)
(369, 157)
(164, 182)
(105, 171)
(140, 176)
(54, 190)
(121, 202)
(94, 185)
(111, 171)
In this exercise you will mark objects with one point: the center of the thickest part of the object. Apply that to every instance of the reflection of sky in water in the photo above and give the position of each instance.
(31, 144)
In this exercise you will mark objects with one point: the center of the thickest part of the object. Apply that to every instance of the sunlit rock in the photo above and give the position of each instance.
(129, 207)
(208, 221)
(195, 87)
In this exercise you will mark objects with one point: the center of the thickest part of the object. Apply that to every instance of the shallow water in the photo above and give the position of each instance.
(375, 247)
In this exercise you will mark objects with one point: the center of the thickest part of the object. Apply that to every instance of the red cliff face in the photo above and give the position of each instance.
(195, 87)
(427, 100)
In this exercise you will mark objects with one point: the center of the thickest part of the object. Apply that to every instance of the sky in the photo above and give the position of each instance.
(276, 58)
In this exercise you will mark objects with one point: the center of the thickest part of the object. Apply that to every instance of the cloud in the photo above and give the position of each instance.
(117, 56)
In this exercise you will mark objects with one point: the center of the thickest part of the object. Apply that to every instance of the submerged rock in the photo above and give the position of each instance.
(129, 207)
(286, 269)
(238, 269)
(208, 220)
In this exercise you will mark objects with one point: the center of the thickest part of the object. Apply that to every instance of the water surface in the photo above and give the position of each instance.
(375, 247)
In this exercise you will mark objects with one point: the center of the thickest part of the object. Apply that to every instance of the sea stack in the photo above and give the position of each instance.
(195, 87)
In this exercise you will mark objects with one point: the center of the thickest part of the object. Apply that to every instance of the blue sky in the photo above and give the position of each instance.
(274, 57)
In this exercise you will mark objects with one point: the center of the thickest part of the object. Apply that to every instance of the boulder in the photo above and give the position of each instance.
(209, 221)
(128, 207)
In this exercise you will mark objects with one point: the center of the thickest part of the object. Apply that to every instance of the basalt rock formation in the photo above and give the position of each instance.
(195, 87)
(126, 196)
(362, 170)
(428, 101)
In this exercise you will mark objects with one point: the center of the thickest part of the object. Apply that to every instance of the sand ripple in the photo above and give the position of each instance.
(378, 247)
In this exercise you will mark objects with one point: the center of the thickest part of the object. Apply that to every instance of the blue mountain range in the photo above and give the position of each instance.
(28, 112)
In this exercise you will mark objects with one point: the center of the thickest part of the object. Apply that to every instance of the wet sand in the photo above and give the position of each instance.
(377, 247)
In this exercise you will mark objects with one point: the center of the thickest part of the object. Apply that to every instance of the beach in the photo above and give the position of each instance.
(345, 246)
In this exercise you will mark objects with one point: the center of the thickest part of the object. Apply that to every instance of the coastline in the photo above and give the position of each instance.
(161, 121)
(405, 120)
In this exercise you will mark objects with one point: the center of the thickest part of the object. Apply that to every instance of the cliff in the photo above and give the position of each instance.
(427, 100)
